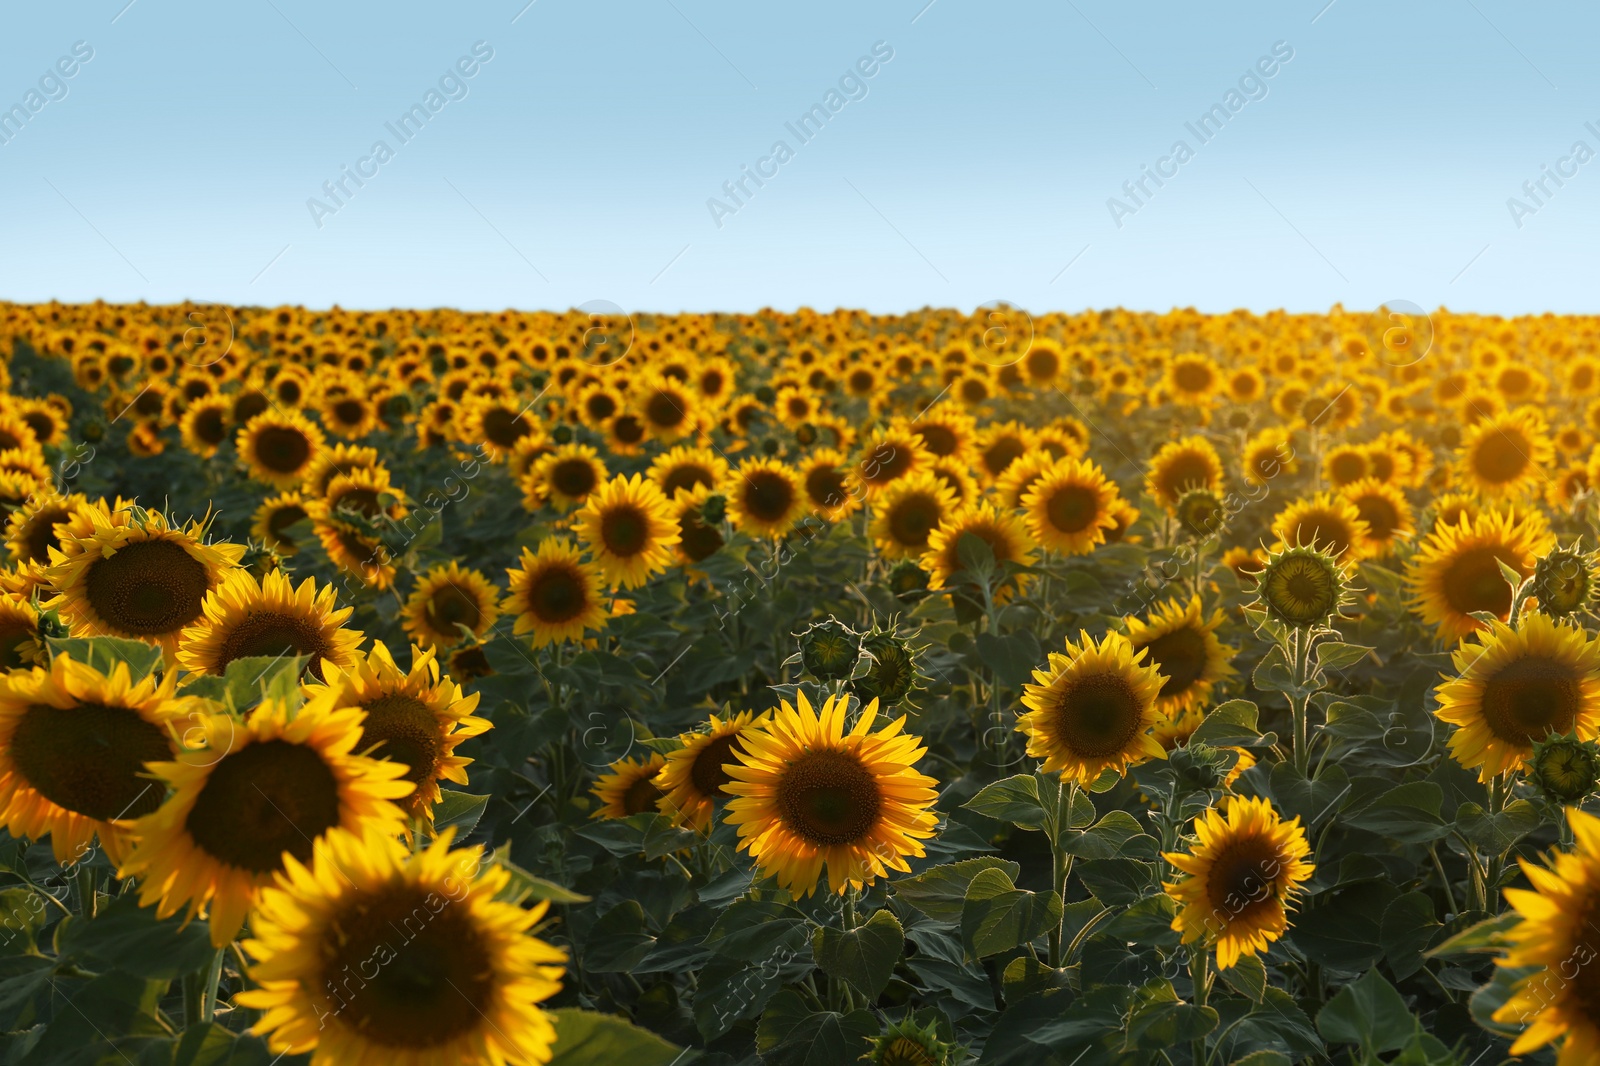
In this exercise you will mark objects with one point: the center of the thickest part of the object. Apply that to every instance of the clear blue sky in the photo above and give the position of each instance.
(978, 164)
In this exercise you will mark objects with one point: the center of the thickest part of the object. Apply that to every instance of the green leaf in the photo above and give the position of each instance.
(585, 1037)
(1263, 1058)
(250, 680)
(1248, 977)
(1160, 1019)
(104, 653)
(1311, 801)
(525, 886)
(997, 916)
(459, 811)
(751, 929)
(1340, 930)
(1331, 655)
(210, 1044)
(1486, 937)
(1228, 723)
(865, 956)
(1118, 881)
(1116, 835)
(1015, 800)
(618, 941)
(792, 1034)
(1013, 657)
(940, 892)
(1147, 922)
(127, 937)
(1274, 674)
(1370, 1013)
(1408, 924)
(1495, 834)
(1408, 813)
(22, 912)
(975, 555)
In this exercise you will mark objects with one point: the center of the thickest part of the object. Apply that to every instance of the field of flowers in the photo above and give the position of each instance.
(435, 688)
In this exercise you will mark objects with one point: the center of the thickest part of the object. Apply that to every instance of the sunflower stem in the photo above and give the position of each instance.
(1199, 973)
(88, 888)
(1061, 861)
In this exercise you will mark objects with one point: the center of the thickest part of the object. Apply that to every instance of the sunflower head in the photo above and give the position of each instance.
(1201, 513)
(891, 670)
(829, 649)
(907, 1043)
(693, 781)
(1302, 587)
(1092, 709)
(1564, 582)
(1565, 769)
(628, 787)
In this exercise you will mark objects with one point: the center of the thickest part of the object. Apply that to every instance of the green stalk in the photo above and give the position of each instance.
(1199, 973)
(88, 887)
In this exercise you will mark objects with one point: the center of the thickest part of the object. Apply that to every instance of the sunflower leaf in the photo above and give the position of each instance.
(865, 956)
(1015, 800)
(459, 811)
(1368, 1012)
(939, 892)
(792, 1034)
(1485, 937)
(1160, 1019)
(1332, 655)
(104, 653)
(1494, 834)
(1228, 722)
(586, 1036)
(997, 916)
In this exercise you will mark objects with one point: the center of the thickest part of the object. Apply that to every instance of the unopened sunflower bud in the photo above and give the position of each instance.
(1564, 768)
(829, 649)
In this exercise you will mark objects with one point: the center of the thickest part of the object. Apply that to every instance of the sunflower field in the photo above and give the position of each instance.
(435, 688)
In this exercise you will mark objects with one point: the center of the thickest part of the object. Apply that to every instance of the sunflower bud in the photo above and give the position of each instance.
(905, 1043)
(1199, 766)
(892, 669)
(829, 649)
(93, 430)
(714, 510)
(1564, 582)
(1201, 513)
(1302, 587)
(561, 434)
(1564, 768)
(907, 579)
(765, 394)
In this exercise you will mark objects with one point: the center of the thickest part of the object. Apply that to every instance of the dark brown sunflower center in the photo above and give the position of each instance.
(1380, 516)
(938, 439)
(15, 633)
(407, 968)
(250, 404)
(913, 518)
(685, 476)
(1473, 582)
(628, 429)
(1098, 715)
(1182, 471)
(41, 533)
(90, 759)
(625, 530)
(885, 462)
(349, 412)
(405, 731)
(698, 540)
(768, 496)
(1244, 877)
(469, 663)
(1347, 467)
(362, 501)
(1181, 656)
(265, 799)
(828, 798)
(283, 518)
(504, 428)
(641, 796)
(1529, 698)
(600, 406)
(1072, 508)
(449, 605)
(825, 485)
(1192, 377)
(1327, 531)
(664, 410)
(210, 427)
(573, 478)
(271, 634)
(1501, 457)
(147, 588)
(558, 594)
(282, 449)
(706, 772)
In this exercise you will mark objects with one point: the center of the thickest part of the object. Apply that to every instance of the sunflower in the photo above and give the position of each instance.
(629, 787)
(1092, 709)
(278, 449)
(342, 458)
(685, 467)
(765, 498)
(21, 644)
(244, 617)
(1504, 454)
(255, 791)
(370, 955)
(352, 415)
(825, 476)
(356, 553)
(1385, 513)
(1326, 521)
(1244, 871)
(998, 446)
(126, 572)
(1070, 507)
(499, 423)
(563, 478)
(693, 779)
(1192, 379)
(1514, 687)
(414, 717)
(886, 456)
(1456, 570)
(554, 594)
(1183, 646)
(73, 748)
(445, 598)
(667, 409)
(627, 527)
(1002, 531)
(205, 426)
(31, 529)
(809, 795)
(906, 512)
(1557, 934)
(272, 520)
(1182, 465)
(1020, 477)
(1345, 464)
(1302, 587)
(945, 432)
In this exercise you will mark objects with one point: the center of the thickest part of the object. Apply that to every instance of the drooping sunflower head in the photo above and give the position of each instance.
(1201, 514)
(74, 744)
(1560, 1000)
(353, 546)
(765, 498)
(1182, 645)
(1505, 453)
(814, 794)
(1327, 521)
(247, 617)
(1303, 587)
(255, 791)
(127, 572)
(279, 448)
(628, 528)
(555, 595)
(1092, 709)
(906, 512)
(628, 787)
(695, 775)
(1456, 570)
(1071, 506)
(1244, 870)
(342, 458)
(1514, 687)
(1182, 465)
(367, 952)
(415, 717)
(1564, 582)
(446, 598)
